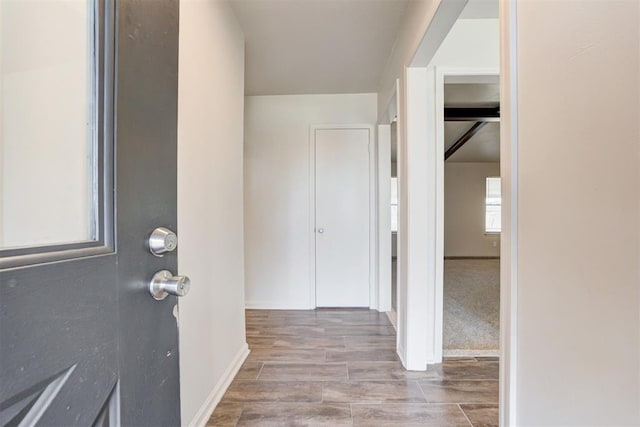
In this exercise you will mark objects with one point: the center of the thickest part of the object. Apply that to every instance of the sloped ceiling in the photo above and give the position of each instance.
(317, 46)
(485, 145)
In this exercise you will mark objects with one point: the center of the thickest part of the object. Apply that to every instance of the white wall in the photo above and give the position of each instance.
(210, 204)
(470, 44)
(45, 122)
(576, 251)
(417, 17)
(464, 210)
(277, 214)
(419, 38)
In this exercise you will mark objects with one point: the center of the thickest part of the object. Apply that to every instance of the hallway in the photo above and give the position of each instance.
(339, 367)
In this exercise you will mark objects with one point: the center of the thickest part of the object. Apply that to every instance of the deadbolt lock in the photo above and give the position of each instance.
(162, 240)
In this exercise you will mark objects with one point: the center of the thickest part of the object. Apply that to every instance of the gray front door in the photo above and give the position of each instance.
(82, 342)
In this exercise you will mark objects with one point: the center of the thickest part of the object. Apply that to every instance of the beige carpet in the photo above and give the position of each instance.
(471, 307)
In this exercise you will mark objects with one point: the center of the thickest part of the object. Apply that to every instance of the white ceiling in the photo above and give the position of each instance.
(480, 9)
(317, 46)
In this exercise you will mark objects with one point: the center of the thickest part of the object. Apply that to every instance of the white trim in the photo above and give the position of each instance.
(373, 232)
(383, 245)
(401, 317)
(393, 318)
(374, 285)
(277, 305)
(401, 352)
(509, 234)
(443, 75)
(469, 74)
(471, 353)
(209, 405)
(312, 218)
(420, 222)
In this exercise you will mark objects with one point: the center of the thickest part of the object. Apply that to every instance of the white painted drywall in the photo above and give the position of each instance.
(417, 16)
(277, 205)
(464, 210)
(210, 204)
(470, 44)
(45, 123)
(317, 46)
(578, 234)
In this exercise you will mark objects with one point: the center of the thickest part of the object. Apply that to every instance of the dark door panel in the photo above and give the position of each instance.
(82, 342)
(59, 341)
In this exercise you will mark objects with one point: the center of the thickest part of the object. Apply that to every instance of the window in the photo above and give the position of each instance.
(47, 110)
(56, 124)
(493, 206)
(394, 204)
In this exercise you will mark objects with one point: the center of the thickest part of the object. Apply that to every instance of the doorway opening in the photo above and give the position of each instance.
(388, 212)
(472, 212)
(394, 222)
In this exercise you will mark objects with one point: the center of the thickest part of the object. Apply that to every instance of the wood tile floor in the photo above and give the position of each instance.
(339, 368)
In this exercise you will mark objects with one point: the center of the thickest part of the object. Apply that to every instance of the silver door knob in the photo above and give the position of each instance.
(164, 283)
(320, 230)
(162, 240)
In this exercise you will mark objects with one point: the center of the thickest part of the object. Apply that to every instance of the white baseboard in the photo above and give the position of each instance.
(209, 405)
(400, 353)
(393, 318)
(471, 353)
(277, 305)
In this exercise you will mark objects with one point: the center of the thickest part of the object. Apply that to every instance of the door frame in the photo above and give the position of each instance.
(373, 234)
(443, 19)
(508, 80)
(509, 171)
(384, 244)
(444, 75)
(383, 223)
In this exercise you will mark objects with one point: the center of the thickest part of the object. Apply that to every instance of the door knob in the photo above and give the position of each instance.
(162, 240)
(164, 283)
(320, 230)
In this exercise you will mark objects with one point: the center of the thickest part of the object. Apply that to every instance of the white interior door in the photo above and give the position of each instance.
(342, 217)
